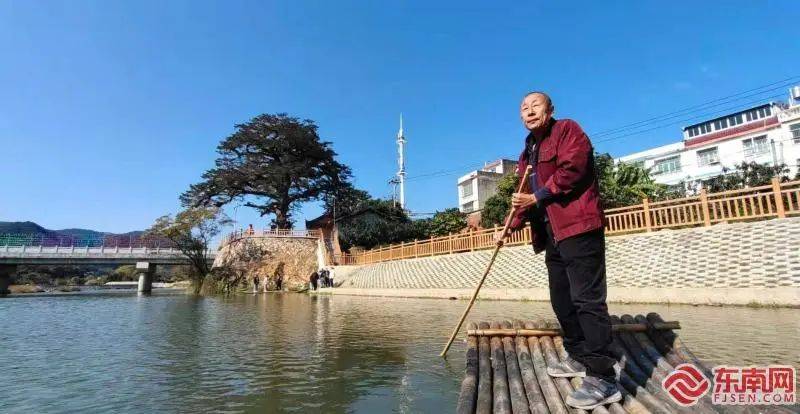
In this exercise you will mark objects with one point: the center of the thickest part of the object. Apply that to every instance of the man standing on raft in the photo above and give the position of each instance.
(563, 207)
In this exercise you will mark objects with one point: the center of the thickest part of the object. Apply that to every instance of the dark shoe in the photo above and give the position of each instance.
(593, 393)
(567, 368)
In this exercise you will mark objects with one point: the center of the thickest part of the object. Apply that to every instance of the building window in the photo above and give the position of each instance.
(756, 114)
(734, 120)
(700, 129)
(708, 156)
(468, 207)
(720, 124)
(667, 165)
(466, 189)
(795, 130)
(755, 146)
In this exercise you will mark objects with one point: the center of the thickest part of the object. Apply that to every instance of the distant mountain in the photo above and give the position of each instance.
(29, 227)
(23, 227)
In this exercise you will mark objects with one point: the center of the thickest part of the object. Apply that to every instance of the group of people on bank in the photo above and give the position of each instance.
(322, 278)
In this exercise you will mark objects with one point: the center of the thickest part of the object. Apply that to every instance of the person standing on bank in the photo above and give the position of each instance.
(563, 207)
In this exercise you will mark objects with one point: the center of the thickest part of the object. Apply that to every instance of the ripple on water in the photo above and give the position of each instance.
(117, 352)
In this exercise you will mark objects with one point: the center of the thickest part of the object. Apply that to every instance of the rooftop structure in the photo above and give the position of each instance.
(768, 133)
(477, 186)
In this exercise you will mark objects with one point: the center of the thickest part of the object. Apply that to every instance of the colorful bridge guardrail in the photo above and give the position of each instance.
(61, 240)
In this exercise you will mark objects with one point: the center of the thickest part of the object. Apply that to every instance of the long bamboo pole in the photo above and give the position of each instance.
(489, 266)
(623, 327)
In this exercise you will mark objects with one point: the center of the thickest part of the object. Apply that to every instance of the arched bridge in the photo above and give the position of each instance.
(47, 249)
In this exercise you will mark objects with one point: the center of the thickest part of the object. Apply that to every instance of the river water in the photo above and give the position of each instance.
(170, 352)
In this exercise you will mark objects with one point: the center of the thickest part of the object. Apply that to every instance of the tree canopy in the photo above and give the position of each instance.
(496, 207)
(345, 200)
(442, 223)
(191, 231)
(368, 222)
(746, 174)
(376, 222)
(272, 163)
(624, 184)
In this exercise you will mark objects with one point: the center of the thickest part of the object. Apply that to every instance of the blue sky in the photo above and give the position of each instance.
(109, 110)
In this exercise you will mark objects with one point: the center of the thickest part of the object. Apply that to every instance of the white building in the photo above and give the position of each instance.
(475, 187)
(767, 134)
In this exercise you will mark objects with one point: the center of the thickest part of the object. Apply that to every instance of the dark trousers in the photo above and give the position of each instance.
(576, 268)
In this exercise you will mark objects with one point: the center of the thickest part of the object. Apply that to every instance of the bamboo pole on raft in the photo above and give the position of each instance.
(623, 327)
(489, 266)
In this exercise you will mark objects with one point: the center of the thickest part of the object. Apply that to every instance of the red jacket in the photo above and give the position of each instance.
(566, 178)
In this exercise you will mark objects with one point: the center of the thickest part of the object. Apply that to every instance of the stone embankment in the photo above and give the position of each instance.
(737, 264)
(267, 257)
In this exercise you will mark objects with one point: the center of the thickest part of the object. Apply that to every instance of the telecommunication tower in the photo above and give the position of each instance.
(401, 164)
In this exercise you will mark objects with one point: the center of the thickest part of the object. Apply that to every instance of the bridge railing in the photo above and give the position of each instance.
(61, 240)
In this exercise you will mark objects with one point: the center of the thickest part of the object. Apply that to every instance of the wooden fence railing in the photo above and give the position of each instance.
(776, 200)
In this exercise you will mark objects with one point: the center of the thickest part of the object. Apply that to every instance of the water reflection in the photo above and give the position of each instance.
(169, 352)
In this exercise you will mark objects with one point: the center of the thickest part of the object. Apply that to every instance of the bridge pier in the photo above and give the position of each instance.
(6, 271)
(146, 272)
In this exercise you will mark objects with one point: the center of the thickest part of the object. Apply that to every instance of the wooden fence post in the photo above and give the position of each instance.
(704, 207)
(450, 242)
(416, 252)
(646, 208)
(471, 241)
(776, 189)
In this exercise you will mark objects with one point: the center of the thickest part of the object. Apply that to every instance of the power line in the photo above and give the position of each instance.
(445, 172)
(762, 99)
(682, 165)
(680, 121)
(680, 112)
(616, 133)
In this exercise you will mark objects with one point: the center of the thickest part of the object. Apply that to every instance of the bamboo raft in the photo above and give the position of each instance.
(506, 369)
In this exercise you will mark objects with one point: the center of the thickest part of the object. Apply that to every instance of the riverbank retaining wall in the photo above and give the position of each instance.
(740, 264)
(267, 257)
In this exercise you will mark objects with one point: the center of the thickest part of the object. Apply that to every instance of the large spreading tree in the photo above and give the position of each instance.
(272, 163)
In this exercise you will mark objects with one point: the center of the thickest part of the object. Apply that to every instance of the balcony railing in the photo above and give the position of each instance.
(789, 113)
